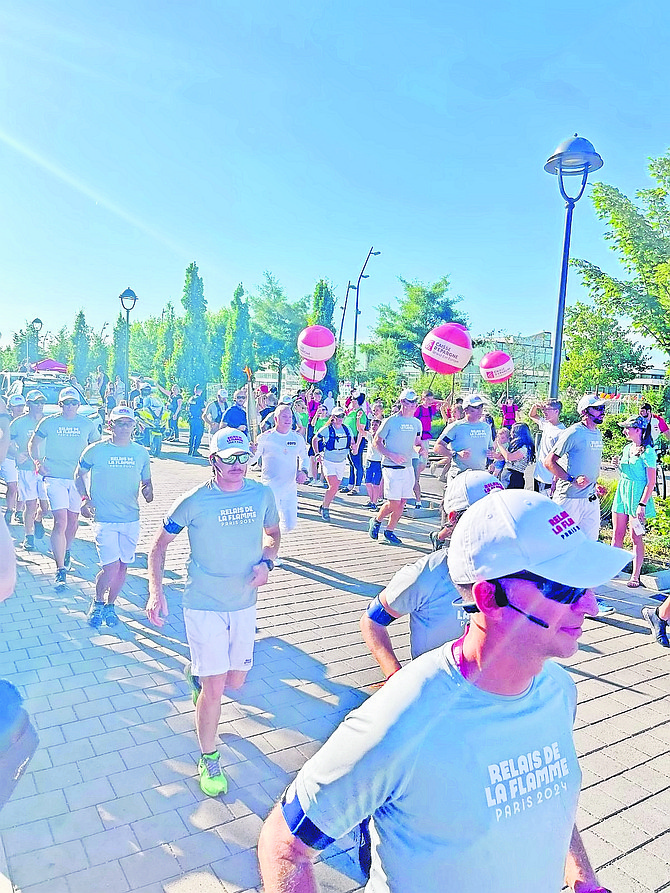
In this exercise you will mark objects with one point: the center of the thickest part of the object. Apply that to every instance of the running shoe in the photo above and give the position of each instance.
(659, 628)
(61, 576)
(95, 613)
(604, 609)
(39, 530)
(372, 505)
(18, 517)
(29, 542)
(8, 517)
(373, 528)
(67, 560)
(391, 538)
(435, 541)
(324, 512)
(212, 780)
(193, 682)
(109, 615)
(418, 504)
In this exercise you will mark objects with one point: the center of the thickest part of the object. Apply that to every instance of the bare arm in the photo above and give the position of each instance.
(148, 491)
(579, 875)
(378, 640)
(7, 562)
(285, 861)
(271, 540)
(4, 438)
(157, 608)
(511, 457)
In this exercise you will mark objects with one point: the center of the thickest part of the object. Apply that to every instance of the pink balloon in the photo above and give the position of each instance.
(496, 366)
(313, 370)
(316, 343)
(447, 348)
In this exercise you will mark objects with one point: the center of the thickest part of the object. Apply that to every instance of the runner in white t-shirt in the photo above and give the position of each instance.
(283, 453)
(546, 416)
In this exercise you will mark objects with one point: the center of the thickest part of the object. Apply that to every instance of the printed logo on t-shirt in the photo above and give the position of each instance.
(291, 443)
(67, 431)
(234, 517)
(479, 432)
(527, 781)
(563, 525)
(121, 462)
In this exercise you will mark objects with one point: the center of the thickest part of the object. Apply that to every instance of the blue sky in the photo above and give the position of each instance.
(292, 136)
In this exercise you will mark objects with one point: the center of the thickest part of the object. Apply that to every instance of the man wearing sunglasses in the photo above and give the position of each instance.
(574, 461)
(397, 440)
(109, 476)
(233, 530)
(465, 758)
(55, 447)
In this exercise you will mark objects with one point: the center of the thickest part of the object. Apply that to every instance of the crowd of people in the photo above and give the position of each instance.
(487, 615)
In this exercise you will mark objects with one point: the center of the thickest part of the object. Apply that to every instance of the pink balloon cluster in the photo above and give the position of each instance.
(447, 348)
(496, 366)
(316, 344)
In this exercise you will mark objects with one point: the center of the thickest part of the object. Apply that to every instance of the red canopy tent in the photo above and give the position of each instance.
(49, 365)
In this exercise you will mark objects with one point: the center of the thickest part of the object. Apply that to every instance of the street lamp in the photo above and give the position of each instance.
(344, 308)
(36, 326)
(361, 275)
(574, 157)
(128, 300)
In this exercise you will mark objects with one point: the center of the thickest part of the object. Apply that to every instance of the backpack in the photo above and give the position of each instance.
(329, 444)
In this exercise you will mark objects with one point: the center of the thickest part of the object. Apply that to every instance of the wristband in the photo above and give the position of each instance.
(269, 562)
(643, 504)
(570, 479)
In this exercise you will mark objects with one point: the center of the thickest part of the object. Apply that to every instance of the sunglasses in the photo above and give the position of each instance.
(69, 402)
(127, 423)
(555, 592)
(242, 458)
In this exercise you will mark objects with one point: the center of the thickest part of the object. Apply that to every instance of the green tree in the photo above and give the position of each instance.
(276, 324)
(168, 336)
(639, 233)
(144, 346)
(190, 359)
(117, 355)
(599, 354)
(238, 348)
(323, 308)
(420, 309)
(99, 352)
(60, 348)
(217, 325)
(81, 345)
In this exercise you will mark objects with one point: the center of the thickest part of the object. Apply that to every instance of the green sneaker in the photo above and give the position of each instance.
(212, 780)
(193, 681)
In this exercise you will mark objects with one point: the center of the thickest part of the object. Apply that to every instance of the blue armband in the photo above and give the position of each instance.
(170, 526)
(298, 823)
(377, 612)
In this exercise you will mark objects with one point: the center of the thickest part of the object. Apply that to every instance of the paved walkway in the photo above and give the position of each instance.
(111, 801)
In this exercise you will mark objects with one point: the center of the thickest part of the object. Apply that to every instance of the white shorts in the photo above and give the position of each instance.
(29, 482)
(8, 471)
(287, 505)
(398, 483)
(62, 494)
(116, 541)
(585, 512)
(220, 642)
(335, 469)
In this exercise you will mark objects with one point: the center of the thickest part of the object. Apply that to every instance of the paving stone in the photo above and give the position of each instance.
(50, 862)
(108, 876)
(152, 865)
(163, 828)
(123, 810)
(197, 850)
(238, 872)
(89, 793)
(26, 838)
(111, 844)
(201, 881)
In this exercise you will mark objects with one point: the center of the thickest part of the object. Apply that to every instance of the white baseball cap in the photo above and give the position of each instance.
(409, 394)
(16, 400)
(69, 394)
(222, 392)
(475, 400)
(589, 400)
(518, 530)
(121, 412)
(229, 442)
(467, 488)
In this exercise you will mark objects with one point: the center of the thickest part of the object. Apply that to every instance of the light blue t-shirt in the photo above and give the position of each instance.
(473, 436)
(225, 531)
(581, 450)
(116, 475)
(66, 440)
(467, 790)
(399, 434)
(424, 591)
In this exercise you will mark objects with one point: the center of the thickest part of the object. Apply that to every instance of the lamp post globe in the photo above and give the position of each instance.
(574, 157)
(128, 300)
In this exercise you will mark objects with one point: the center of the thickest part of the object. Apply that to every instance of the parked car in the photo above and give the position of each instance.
(50, 384)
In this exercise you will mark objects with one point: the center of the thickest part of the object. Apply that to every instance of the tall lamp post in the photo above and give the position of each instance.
(344, 308)
(574, 157)
(361, 275)
(128, 300)
(36, 326)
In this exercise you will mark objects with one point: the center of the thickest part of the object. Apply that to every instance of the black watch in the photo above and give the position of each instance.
(270, 563)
